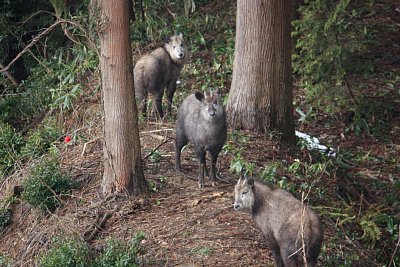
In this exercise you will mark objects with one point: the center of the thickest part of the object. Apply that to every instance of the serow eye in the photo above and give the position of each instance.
(173, 47)
(244, 193)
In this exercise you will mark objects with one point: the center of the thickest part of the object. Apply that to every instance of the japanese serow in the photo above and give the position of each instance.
(201, 121)
(291, 230)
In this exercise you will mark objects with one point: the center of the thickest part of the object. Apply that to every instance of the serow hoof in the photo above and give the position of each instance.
(201, 185)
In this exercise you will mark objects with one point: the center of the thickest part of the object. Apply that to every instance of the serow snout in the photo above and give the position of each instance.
(237, 206)
(180, 55)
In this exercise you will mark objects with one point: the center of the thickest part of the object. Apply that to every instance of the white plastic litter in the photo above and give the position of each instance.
(313, 143)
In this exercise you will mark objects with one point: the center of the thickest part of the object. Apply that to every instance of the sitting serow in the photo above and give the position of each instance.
(291, 230)
(201, 121)
(157, 70)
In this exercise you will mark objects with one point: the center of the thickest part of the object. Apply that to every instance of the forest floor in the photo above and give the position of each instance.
(188, 226)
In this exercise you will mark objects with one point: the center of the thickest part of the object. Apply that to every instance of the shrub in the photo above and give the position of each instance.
(328, 42)
(4, 261)
(75, 252)
(45, 185)
(10, 145)
(5, 218)
(118, 254)
(39, 141)
(66, 253)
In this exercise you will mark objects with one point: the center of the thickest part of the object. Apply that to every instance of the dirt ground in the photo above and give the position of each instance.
(183, 225)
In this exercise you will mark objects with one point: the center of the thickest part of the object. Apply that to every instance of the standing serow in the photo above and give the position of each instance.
(292, 230)
(201, 121)
(157, 70)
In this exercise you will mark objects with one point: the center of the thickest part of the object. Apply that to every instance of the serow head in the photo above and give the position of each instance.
(213, 109)
(244, 194)
(176, 48)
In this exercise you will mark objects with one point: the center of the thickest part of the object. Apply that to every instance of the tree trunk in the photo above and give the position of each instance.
(261, 97)
(123, 170)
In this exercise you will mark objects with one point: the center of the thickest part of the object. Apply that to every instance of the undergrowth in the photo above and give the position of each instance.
(46, 185)
(365, 223)
(74, 252)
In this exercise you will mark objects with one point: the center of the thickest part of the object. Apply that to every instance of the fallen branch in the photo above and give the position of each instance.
(395, 251)
(157, 131)
(97, 226)
(155, 149)
(85, 145)
(9, 75)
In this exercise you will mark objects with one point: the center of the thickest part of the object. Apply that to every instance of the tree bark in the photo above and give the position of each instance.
(260, 97)
(123, 171)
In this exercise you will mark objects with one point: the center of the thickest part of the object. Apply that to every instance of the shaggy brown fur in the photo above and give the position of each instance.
(201, 121)
(157, 70)
(287, 224)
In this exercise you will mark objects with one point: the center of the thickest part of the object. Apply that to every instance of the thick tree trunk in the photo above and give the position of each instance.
(123, 170)
(261, 97)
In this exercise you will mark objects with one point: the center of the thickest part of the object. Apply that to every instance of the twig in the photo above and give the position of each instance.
(87, 143)
(350, 91)
(395, 250)
(157, 131)
(51, 190)
(45, 32)
(9, 76)
(155, 149)
(95, 228)
(34, 41)
(187, 176)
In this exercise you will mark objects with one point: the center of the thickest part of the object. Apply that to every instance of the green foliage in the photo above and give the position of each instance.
(4, 261)
(155, 156)
(241, 167)
(5, 218)
(68, 73)
(328, 40)
(270, 173)
(10, 145)
(27, 100)
(46, 183)
(75, 252)
(203, 251)
(332, 255)
(40, 140)
(55, 83)
(372, 117)
(117, 254)
(304, 117)
(71, 252)
(371, 231)
(14, 148)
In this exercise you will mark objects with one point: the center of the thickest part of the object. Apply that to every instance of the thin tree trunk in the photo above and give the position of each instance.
(260, 98)
(123, 170)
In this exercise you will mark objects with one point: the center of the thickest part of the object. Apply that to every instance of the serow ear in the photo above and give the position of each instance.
(181, 36)
(199, 96)
(166, 39)
(250, 182)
